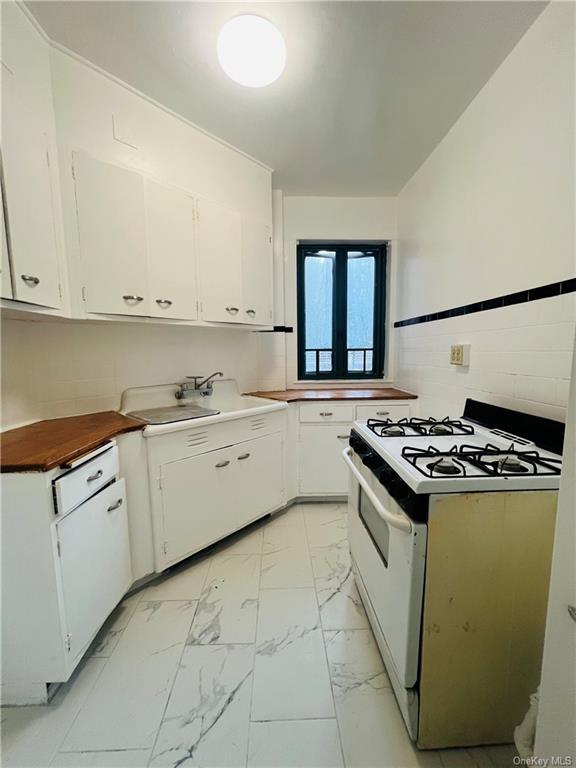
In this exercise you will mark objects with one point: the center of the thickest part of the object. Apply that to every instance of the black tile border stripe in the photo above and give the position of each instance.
(521, 297)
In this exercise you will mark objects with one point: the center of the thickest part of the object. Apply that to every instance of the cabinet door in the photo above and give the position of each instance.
(258, 477)
(6, 276)
(197, 503)
(256, 272)
(94, 563)
(322, 469)
(111, 225)
(27, 123)
(219, 243)
(171, 257)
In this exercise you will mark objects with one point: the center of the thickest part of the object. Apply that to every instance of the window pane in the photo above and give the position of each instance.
(318, 291)
(360, 320)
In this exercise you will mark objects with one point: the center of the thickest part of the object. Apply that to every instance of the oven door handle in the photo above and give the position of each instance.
(401, 523)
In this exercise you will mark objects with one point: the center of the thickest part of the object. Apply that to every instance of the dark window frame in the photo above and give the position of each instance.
(339, 312)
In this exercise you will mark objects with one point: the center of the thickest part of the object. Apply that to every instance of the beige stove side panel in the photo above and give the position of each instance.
(487, 577)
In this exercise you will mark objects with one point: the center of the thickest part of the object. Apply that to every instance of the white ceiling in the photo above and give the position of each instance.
(369, 89)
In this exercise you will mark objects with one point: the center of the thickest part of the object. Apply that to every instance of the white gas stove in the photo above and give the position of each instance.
(428, 496)
(455, 455)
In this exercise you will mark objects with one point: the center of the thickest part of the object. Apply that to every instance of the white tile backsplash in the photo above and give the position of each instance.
(53, 369)
(516, 360)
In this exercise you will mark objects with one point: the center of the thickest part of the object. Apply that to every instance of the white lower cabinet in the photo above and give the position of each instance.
(94, 564)
(206, 497)
(322, 469)
(324, 429)
(65, 566)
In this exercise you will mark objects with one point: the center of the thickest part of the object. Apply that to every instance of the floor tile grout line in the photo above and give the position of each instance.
(67, 730)
(254, 655)
(326, 657)
(176, 670)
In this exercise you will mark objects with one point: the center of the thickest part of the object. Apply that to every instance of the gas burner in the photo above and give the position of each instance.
(510, 464)
(394, 430)
(445, 466)
(441, 429)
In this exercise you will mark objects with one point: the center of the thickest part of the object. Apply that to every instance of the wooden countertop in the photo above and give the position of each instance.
(303, 395)
(47, 444)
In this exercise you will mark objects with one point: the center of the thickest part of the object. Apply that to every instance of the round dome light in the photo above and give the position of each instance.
(251, 51)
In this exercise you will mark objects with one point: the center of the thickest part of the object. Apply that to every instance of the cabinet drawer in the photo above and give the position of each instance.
(326, 412)
(77, 485)
(395, 412)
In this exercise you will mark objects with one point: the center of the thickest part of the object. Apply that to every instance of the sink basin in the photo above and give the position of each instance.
(172, 413)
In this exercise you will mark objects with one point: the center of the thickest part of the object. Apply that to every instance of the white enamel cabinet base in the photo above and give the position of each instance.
(323, 433)
(207, 482)
(63, 572)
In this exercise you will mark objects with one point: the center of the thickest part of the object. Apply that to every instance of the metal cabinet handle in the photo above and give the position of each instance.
(130, 297)
(382, 413)
(30, 279)
(572, 612)
(232, 310)
(95, 476)
(244, 456)
(164, 303)
(326, 413)
(251, 312)
(222, 464)
(115, 505)
(343, 437)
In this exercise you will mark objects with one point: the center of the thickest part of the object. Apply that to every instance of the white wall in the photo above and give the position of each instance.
(490, 212)
(63, 368)
(332, 218)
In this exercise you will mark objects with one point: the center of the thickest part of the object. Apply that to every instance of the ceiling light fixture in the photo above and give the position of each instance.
(251, 51)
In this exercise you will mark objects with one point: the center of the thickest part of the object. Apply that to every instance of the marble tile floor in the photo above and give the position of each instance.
(256, 654)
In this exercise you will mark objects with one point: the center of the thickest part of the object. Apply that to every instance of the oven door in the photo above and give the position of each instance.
(389, 551)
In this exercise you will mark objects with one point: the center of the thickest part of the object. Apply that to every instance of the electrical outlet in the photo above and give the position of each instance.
(460, 354)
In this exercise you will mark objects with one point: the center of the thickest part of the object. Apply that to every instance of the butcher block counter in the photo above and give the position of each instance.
(304, 395)
(47, 444)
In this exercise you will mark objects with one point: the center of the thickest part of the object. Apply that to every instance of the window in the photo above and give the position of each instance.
(341, 311)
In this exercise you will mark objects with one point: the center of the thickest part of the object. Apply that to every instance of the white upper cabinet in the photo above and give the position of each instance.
(27, 139)
(256, 272)
(112, 232)
(5, 277)
(219, 243)
(171, 252)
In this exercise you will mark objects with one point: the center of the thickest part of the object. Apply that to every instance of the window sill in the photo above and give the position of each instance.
(331, 383)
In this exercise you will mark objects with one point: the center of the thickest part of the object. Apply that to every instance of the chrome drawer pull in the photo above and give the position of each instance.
(326, 413)
(251, 312)
(114, 506)
(232, 310)
(572, 612)
(244, 456)
(164, 303)
(95, 476)
(382, 413)
(343, 437)
(222, 464)
(30, 279)
(129, 297)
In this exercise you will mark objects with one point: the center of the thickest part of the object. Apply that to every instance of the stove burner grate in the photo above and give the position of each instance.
(490, 460)
(417, 427)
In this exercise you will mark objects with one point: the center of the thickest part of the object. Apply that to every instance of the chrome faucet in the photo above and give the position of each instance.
(196, 385)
